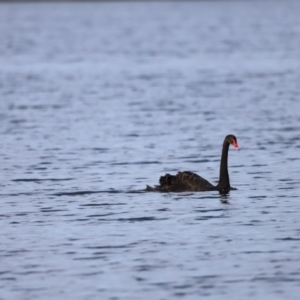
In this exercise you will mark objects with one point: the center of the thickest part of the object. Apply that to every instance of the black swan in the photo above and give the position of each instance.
(189, 181)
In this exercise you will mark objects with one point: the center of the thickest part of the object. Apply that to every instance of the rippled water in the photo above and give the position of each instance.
(97, 100)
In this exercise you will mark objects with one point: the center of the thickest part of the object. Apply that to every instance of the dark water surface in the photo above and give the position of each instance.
(99, 99)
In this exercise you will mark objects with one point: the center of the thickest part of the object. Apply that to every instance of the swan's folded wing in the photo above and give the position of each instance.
(192, 181)
(184, 181)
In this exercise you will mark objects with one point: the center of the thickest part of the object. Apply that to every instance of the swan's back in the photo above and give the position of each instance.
(183, 181)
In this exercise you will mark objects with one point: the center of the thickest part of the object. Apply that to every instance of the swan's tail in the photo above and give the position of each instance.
(150, 188)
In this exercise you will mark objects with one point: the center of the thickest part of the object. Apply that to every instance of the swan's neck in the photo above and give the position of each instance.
(224, 177)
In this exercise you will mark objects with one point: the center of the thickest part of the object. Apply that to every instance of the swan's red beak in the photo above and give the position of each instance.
(235, 145)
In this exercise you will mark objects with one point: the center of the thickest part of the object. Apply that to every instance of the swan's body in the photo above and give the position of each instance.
(189, 181)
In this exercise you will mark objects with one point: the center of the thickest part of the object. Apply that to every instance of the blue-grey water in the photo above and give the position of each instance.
(99, 99)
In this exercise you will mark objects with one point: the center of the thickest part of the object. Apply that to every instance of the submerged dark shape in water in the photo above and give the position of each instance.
(189, 181)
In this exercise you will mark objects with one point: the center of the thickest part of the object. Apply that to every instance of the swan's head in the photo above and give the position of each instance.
(231, 139)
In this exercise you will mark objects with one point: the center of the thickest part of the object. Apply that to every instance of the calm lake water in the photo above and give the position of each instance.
(99, 99)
